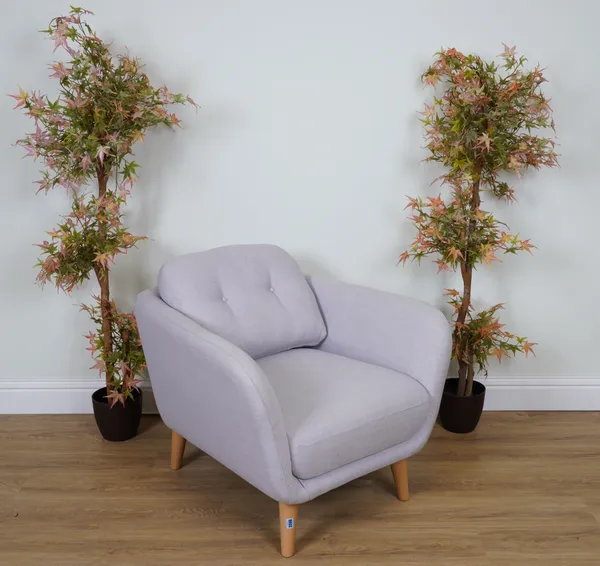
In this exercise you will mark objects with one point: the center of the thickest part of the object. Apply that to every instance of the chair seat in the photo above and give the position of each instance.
(337, 410)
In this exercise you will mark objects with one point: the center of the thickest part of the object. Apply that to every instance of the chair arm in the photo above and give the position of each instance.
(385, 329)
(217, 397)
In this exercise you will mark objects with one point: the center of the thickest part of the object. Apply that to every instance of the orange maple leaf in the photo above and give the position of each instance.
(484, 141)
(527, 246)
(499, 353)
(489, 257)
(452, 52)
(434, 202)
(455, 253)
(429, 111)
(412, 204)
(528, 347)
(138, 136)
(442, 266)
(431, 78)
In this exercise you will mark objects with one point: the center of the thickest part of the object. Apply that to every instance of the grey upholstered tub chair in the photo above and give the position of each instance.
(296, 384)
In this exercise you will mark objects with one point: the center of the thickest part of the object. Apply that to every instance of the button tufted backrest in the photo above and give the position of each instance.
(252, 295)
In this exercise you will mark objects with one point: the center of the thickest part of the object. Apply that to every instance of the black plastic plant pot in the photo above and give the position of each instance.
(461, 414)
(119, 422)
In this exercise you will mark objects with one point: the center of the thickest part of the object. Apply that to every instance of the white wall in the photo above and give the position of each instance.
(308, 138)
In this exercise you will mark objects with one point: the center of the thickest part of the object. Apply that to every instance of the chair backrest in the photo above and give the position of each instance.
(255, 296)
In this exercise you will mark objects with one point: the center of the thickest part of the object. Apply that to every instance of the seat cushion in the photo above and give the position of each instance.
(252, 295)
(337, 410)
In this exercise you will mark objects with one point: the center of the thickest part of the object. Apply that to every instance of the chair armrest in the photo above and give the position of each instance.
(217, 397)
(385, 329)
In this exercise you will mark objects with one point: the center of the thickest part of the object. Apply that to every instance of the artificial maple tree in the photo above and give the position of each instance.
(85, 136)
(487, 122)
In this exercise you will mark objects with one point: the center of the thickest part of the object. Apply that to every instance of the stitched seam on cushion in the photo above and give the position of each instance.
(334, 347)
(395, 446)
(357, 459)
(337, 434)
(300, 343)
(238, 364)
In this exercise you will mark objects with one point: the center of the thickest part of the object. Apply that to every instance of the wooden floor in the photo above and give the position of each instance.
(524, 489)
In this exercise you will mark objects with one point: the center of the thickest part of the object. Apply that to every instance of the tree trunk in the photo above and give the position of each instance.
(102, 276)
(464, 354)
(470, 377)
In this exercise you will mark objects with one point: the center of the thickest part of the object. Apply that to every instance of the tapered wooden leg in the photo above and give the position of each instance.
(288, 515)
(400, 473)
(177, 448)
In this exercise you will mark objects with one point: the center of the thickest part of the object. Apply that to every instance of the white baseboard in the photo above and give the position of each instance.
(29, 396)
(72, 395)
(542, 394)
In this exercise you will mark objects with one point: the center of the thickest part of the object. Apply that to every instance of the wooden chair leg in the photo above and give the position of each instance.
(400, 473)
(288, 516)
(177, 448)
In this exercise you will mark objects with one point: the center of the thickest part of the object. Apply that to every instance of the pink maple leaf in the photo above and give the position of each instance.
(60, 71)
(31, 151)
(191, 101)
(115, 397)
(101, 153)
(125, 188)
(21, 98)
(76, 102)
(91, 336)
(43, 185)
(508, 51)
(86, 162)
(100, 366)
(59, 37)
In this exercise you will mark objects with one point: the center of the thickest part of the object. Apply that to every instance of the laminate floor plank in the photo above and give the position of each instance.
(522, 490)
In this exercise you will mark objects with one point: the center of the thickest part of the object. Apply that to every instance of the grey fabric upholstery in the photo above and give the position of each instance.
(214, 395)
(337, 410)
(253, 296)
(385, 329)
(242, 411)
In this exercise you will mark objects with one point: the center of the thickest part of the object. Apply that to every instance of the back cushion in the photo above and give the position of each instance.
(252, 295)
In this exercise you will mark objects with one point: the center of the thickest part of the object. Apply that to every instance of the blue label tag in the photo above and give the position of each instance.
(289, 523)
